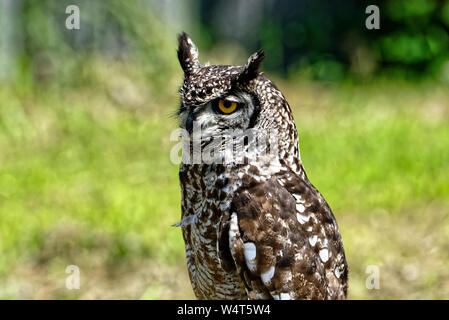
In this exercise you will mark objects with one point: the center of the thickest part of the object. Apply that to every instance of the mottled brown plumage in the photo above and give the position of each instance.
(254, 228)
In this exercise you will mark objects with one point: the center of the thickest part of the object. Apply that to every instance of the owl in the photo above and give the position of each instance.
(254, 226)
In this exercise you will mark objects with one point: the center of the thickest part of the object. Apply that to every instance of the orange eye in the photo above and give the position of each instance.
(227, 107)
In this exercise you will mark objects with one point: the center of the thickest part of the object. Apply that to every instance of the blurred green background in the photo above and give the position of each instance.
(86, 117)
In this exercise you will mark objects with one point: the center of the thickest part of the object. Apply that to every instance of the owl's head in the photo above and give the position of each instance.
(219, 99)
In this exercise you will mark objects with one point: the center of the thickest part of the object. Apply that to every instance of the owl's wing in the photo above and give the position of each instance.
(285, 242)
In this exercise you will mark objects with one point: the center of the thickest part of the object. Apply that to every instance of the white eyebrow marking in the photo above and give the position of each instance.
(232, 98)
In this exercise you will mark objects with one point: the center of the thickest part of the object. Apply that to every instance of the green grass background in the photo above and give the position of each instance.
(86, 117)
(86, 179)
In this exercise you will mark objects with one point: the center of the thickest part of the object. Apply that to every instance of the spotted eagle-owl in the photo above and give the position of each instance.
(255, 228)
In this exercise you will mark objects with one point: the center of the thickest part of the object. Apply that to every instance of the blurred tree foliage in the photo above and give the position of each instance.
(321, 39)
(111, 31)
(328, 40)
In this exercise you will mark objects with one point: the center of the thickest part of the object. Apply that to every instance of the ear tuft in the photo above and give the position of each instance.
(187, 54)
(251, 69)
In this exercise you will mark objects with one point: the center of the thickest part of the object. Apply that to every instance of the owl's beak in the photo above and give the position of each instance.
(189, 121)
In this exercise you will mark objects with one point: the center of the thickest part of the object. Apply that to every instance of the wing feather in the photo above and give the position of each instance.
(285, 242)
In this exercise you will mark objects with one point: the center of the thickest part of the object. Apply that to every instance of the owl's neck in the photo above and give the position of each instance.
(260, 147)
